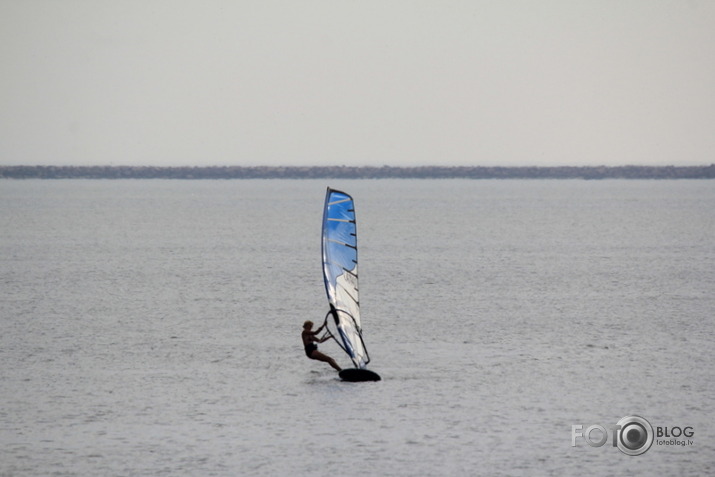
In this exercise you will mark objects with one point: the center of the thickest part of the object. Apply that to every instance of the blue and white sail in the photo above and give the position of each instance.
(340, 271)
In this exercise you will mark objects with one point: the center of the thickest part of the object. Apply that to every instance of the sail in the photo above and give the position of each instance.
(340, 271)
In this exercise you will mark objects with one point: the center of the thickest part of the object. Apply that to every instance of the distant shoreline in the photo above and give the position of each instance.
(361, 172)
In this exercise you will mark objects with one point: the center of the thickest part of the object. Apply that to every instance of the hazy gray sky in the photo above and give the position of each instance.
(398, 82)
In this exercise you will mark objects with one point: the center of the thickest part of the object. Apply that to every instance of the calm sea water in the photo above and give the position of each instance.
(153, 328)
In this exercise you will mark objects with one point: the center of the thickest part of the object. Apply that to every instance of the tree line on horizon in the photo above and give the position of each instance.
(358, 172)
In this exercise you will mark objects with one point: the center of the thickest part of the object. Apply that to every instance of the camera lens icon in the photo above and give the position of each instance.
(635, 436)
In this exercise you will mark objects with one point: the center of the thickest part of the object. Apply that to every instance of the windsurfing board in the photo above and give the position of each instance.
(355, 375)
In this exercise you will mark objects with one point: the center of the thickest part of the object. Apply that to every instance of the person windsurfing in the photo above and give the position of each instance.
(311, 349)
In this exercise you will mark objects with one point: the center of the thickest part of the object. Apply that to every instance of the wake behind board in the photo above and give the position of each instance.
(356, 375)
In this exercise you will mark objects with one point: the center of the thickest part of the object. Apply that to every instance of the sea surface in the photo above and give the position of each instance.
(152, 328)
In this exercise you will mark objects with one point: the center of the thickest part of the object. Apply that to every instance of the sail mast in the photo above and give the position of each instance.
(340, 273)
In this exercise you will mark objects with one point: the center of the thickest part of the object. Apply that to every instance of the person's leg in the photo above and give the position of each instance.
(326, 359)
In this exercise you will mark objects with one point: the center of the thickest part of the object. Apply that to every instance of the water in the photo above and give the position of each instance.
(153, 327)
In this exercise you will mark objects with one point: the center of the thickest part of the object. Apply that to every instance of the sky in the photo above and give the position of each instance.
(333, 82)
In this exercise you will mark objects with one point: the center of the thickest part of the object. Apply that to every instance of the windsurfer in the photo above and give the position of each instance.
(311, 349)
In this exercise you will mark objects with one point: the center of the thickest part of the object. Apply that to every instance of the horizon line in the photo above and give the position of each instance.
(364, 166)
